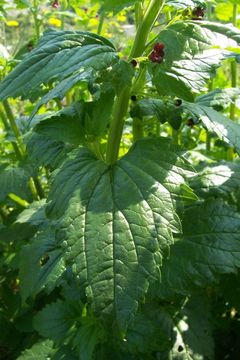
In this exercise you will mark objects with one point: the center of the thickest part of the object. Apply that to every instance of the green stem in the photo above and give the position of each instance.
(19, 148)
(35, 18)
(230, 152)
(121, 104)
(138, 13)
(14, 127)
(116, 127)
(101, 21)
(145, 27)
(6, 127)
(137, 129)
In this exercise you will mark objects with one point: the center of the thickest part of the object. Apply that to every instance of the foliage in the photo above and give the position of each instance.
(119, 181)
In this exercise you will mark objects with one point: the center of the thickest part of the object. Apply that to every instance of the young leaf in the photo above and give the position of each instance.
(59, 54)
(210, 247)
(128, 210)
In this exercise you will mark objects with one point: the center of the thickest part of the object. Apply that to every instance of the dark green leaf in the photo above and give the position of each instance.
(39, 351)
(41, 265)
(13, 180)
(54, 321)
(44, 151)
(58, 55)
(210, 247)
(128, 210)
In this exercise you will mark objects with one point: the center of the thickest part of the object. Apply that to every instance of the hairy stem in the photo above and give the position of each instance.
(121, 104)
(35, 18)
(19, 148)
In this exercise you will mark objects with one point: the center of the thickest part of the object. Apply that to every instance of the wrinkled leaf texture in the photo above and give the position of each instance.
(116, 221)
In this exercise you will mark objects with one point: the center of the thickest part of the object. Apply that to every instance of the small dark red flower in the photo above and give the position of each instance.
(158, 53)
(55, 4)
(158, 47)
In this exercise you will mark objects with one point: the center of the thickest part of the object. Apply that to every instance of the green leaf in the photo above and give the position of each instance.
(182, 4)
(185, 77)
(163, 110)
(34, 214)
(128, 210)
(54, 321)
(221, 32)
(14, 180)
(44, 151)
(39, 351)
(58, 55)
(193, 59)
(218, 99)
(88, 336)
(224, 128)
(63, 126)
(40, 265)
(117, 5)
(59, 91)
(196, 327)
(217, 179)
(210, 247)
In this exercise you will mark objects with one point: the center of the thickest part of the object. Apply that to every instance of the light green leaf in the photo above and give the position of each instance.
(54, 321)
(117, 220)
(58, 55)
(40, 265)
(210, 247)
(226, 129)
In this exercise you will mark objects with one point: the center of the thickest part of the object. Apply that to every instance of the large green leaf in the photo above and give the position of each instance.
(58, 55)
(117, 220)
(225, 128)
(210, 247)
